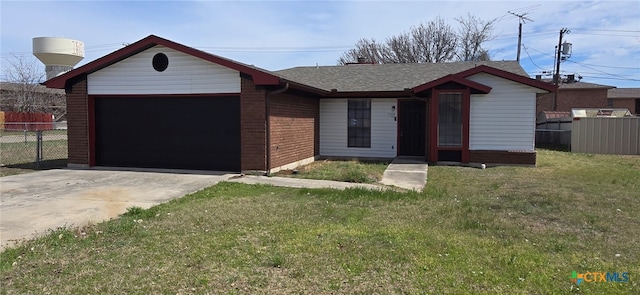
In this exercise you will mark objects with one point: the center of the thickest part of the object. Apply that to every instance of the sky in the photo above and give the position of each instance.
(273, 35)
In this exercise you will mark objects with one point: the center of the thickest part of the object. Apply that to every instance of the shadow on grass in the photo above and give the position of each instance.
(554, 147)
(22, 168)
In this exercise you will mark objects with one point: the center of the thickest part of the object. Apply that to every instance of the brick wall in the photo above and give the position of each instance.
(77, 118)
(573, 98)
(503, 157)
(625, 103)
(294, 128)
(252, 126)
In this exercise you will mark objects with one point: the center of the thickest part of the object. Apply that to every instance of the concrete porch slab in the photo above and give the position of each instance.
(406, 173)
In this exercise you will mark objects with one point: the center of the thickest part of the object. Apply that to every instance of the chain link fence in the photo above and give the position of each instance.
(33, 146)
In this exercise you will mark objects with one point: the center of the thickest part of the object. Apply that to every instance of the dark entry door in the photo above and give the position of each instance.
(411, 127)
(201, 133)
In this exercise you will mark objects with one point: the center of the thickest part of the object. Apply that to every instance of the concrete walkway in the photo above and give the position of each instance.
(406, 173)
(303, 183)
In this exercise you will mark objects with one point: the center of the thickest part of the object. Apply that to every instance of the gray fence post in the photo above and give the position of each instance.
(38, 148)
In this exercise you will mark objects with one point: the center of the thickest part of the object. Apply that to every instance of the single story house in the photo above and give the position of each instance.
(160, 104)
(574, 94)
(625, 98)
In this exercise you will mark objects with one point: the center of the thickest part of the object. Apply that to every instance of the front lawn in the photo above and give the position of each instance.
(503, 230)
(346, 171)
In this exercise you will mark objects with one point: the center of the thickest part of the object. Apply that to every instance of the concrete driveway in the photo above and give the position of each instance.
(32, 203)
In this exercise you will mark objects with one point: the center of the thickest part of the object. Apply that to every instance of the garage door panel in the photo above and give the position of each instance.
(168, 132)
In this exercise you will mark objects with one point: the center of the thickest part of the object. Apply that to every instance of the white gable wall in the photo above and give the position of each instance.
(334, 133)
(185, 74)
(504, 119)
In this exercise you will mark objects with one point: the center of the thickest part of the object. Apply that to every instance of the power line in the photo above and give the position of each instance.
(588, 66)
(599, 73)
(603, 72)
(528, 55)
(606, 30)
(610, 35)
(610, 78)
(613, 67)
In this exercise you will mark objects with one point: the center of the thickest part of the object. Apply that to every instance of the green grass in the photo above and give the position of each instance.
(503, 230)
(346, 171)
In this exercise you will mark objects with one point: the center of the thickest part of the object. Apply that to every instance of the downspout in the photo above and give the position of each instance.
(267, 109)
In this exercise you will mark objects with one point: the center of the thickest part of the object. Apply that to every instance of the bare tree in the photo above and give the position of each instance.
(435, 41)
(399, 48)
(367, 49)
(22, 92)
(472, 33)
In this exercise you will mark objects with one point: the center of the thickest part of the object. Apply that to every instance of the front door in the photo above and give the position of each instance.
(450, 126)
(411, 127)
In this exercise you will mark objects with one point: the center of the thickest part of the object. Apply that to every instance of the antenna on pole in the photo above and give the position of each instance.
(523, 19)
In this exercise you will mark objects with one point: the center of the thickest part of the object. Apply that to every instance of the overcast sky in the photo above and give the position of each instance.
(280, 34)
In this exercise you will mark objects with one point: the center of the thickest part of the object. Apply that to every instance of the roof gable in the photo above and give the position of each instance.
(509, 76)
(477, 87)
(260, 76)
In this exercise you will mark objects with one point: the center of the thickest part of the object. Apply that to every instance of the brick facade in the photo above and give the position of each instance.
(253, 137)
(573, 98)
(626, 103)
(294, 128)
(503, 157)
(77, 118)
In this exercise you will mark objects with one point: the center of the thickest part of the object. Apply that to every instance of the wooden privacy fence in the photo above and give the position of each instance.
(602, 135)
(26, 121)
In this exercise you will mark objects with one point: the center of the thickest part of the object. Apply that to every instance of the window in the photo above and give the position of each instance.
(450, 119)
(359, 123)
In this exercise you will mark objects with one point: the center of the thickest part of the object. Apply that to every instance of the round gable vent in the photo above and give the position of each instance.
(160, 62)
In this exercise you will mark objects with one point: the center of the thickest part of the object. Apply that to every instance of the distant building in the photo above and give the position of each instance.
(625, 98)
(574, 94)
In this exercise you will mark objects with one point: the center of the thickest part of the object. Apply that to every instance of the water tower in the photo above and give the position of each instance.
(59, 55)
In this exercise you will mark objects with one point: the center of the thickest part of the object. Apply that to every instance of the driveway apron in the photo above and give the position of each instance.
(33, 203)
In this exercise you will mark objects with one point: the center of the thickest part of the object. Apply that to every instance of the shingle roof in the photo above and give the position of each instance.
(583, 85)
(384, 77)
(351, 78)
(579, 85)
(623, 93)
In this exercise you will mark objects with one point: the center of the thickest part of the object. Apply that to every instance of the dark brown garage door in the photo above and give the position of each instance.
(201, 133)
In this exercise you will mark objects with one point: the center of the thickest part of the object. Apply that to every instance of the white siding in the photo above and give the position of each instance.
(333, 129)
(186, 74)
(504, 119)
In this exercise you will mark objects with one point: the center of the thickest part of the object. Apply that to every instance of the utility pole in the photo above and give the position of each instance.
(523, 20)
(556, 76)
